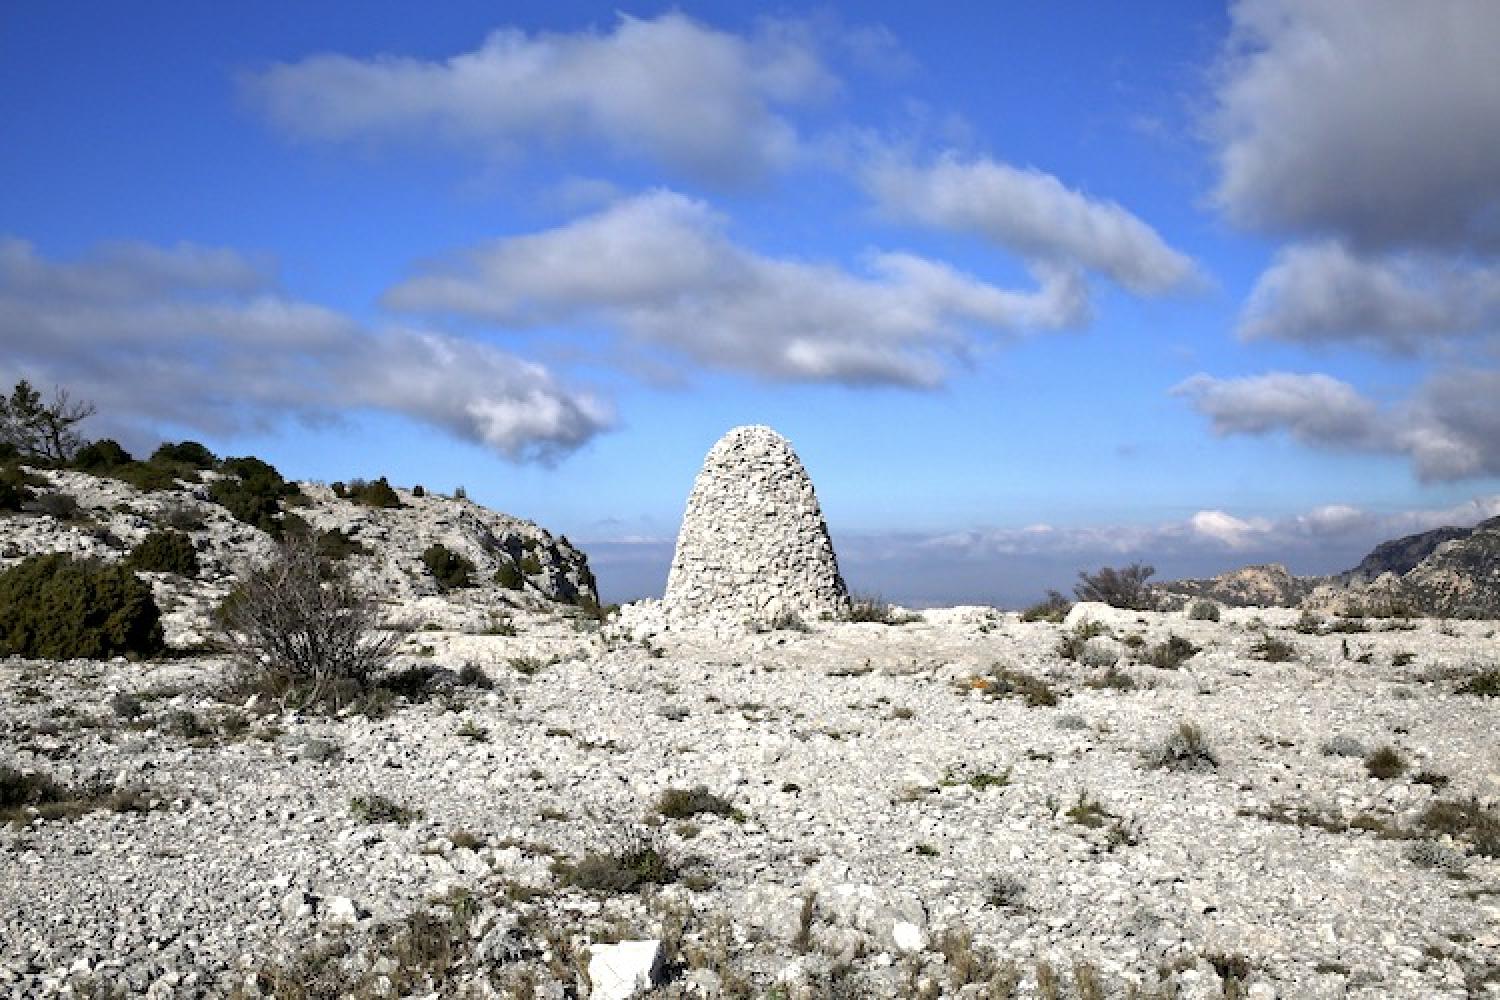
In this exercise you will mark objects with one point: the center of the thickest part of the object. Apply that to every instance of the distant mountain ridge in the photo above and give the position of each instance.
(1447, 572)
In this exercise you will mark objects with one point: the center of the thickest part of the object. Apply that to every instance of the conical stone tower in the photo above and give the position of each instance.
(753, 544)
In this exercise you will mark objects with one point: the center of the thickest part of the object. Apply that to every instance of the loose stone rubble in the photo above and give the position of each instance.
(899, 823)
(753, 544)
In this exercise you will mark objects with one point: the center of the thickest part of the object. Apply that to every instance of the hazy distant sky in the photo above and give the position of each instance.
(1030, 287)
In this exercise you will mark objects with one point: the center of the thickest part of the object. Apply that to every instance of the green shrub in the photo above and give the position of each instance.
(635, 863)
(531, 565)
(1052, 608)
(57, 608)
(62, 506)
(1386, 763)
(101, 455)
(252, 492)
(165, 552)
(336, 545)
(684, 803)
(451, 570)
(509, 577)
(419, 490)
(376, 494)
(13, 491)
(189, 453)
(1203, 611)
(1171, 654)
(148, 477)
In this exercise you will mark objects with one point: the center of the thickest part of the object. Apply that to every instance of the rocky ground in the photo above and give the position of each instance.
(966, 805)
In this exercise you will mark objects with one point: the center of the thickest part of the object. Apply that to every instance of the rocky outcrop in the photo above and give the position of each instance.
(386, 543)
(1266, 586)
(753, 543)
(1461, 578)
(1400, 555)
(1448, 572)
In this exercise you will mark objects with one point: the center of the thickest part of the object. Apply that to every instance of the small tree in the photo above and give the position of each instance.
(1119, 588)
(301, 628)
(42, 431)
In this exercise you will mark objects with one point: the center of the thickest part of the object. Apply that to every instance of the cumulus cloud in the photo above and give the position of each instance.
(1315, 409)
(1373, 122)
(1449, 429)
(200, 337)
(659, 267)
(1031, 213)
(669, 89)
(1324, 291)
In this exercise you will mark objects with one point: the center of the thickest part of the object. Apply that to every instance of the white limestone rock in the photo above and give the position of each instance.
(753, 543)
(623, 970)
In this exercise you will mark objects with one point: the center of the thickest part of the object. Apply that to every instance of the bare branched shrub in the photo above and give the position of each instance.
(302, 630)
(1119, 588)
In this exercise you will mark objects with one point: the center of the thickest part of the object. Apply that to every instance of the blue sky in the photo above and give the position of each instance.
(1031, 288)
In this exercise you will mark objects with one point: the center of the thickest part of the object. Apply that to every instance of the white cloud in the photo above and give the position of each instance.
(1449, 428)
(1323, 291)
(1206, 532)
(670, 89)
(200, 338)
(1372, 121)
(1031, 213)
(659, 267)
(1316, 409)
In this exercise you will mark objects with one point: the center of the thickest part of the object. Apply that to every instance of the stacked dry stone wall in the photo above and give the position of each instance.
(753, 544)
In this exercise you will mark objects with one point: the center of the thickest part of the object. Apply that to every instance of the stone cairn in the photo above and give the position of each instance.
(753, 544)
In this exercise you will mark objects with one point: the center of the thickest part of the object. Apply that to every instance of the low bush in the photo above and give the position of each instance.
(1052, 608)
(100, 456)
(149, 477)
(451, 570)
(60, 506)
(1171, 654)
(58, 608)
(376, 808)
(1119, 588)
(189, 453)
(253, 492)
(1273, 649)
(636, 863)
(874, 608)
(14, 493)
(1385, 763)
(23, 794)
(1183, 749)
(1485, 684)
(373, 494)
(303, 631)
(510, 577)
(1203, 611)
(165, 552)
(683, 803)
(1470, 820)
(337, 545)
(1008, 682)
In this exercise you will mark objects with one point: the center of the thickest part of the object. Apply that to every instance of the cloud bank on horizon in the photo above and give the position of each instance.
(772, 209)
